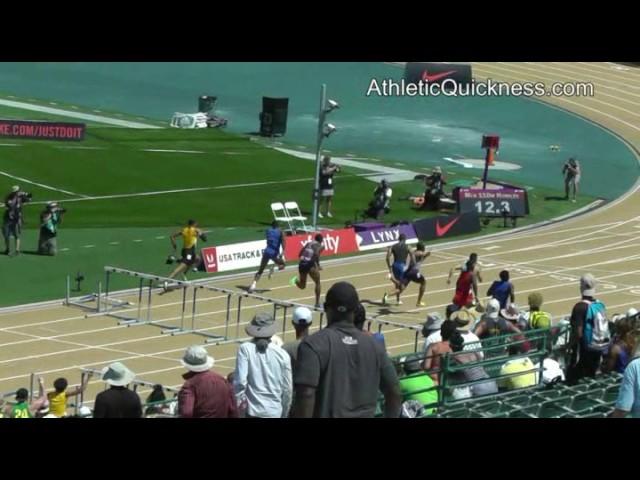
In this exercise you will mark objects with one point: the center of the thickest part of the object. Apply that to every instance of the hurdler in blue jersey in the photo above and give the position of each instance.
(271, 253)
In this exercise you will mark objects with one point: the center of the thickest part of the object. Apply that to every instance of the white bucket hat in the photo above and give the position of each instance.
(196, 359)
(117, 375)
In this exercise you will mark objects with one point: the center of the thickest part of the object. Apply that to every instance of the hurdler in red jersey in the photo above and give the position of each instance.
(467, 284)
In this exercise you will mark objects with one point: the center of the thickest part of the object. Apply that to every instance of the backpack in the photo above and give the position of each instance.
(596, 334)
(539, 319)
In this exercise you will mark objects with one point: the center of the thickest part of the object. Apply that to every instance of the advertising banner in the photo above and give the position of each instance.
(42, 130)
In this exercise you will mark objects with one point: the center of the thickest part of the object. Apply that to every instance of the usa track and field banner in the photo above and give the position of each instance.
(447, 226)
(42, 130)
(336, 242)
(233, 257)
(384, 237)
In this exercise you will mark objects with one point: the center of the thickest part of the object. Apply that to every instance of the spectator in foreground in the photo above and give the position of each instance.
(622, 349)
(490, 324)
(431, 330)
(262, 380)
(589, 333)
(417, 385)
(464, 321)
(432, 360)
(340, 369)
(22, 408)
(118, 401)
(360, 318)
(537, 318)
(502, 290)
(302, 319)
(58, 398)
(527, 377)
(472, 373)
(629, 394)
(204, 394)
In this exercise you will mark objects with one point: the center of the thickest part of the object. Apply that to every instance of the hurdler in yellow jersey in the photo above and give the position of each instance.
(189, 258)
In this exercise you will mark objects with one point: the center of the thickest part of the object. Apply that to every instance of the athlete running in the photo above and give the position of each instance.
(467, 284)
(400, 253)
(310, 266)
(271, 253)
(412, 274)
(189, 258)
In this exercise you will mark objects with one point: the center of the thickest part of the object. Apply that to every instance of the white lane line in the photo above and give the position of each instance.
(114, 243)
(10, 145)
(161, 237)
(88, 246)
(137, 240)
(64, 249)
(169, 151)
(494, 247)
(72, 114)
(71, 147)
(182, 190)
(42, 185)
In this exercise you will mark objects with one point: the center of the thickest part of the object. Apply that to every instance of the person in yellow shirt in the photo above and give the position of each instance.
(521, 365)
(58, 398)
(189, 258)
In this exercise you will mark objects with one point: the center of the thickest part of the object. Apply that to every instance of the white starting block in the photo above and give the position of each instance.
(189, 120)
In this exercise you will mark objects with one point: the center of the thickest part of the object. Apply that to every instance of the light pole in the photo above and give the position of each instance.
(323, 131)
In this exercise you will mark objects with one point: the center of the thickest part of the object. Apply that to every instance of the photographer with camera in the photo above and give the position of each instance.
(327, 171)
(571, 171)
(12, 218)
(434, 189)
(50, 218)
(379, 206)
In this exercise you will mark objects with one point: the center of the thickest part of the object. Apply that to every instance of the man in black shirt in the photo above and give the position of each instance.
(340, 369)
(327, 171)
(118, 401)
(582, 362)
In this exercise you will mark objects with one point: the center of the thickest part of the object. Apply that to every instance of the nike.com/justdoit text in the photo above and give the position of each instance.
(488, 88)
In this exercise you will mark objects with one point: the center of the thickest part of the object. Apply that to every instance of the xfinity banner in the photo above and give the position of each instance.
(384, 237)
(42, 130)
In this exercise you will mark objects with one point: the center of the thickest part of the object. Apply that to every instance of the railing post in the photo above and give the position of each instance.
(238, 319)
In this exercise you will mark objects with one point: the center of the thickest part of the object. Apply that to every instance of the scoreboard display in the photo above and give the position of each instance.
(494, 203)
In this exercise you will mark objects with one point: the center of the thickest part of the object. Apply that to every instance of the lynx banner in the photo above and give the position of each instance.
(42, 130)
(384, 237)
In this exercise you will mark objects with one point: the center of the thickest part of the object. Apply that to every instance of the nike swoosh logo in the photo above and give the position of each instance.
(435, 77)
(441, 231)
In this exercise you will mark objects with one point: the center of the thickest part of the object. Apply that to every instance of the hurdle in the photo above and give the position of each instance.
(85, 301)
(278, 305)
(146, 282)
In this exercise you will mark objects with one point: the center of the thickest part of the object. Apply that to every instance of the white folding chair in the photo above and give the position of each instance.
(294, 213)
(280, 215)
